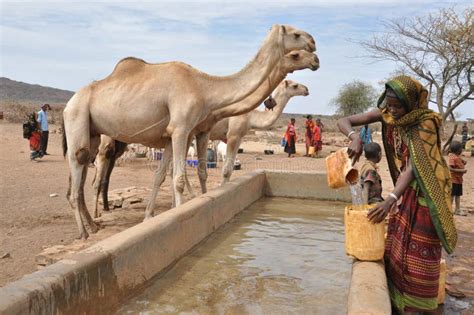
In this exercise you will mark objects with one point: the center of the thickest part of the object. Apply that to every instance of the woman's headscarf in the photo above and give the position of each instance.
(421, 126)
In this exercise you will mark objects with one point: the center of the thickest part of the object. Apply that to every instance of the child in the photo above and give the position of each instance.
(456, 167)
(31, 132)
(369, 177)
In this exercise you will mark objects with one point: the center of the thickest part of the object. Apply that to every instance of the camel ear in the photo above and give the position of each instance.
(283, 29)
(286, 83)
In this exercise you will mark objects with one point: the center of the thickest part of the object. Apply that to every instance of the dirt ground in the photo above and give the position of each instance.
(35, 215)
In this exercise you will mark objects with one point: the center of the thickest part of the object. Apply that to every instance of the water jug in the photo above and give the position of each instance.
(311, 150)
(364, 240)
(339, 169)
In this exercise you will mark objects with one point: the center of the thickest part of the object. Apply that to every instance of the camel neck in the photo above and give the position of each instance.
(223, 91)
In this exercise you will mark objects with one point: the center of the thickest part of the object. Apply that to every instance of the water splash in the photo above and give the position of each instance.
(358, 197)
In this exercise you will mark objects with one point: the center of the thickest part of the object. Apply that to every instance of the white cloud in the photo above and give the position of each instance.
(67, 44)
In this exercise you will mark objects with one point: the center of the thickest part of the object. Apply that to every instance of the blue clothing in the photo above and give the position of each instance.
(366, 135)
(43, 120)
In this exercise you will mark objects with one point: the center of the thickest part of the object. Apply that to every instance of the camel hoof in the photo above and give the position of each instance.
(147, 217)
(83, 236)
(94, 228)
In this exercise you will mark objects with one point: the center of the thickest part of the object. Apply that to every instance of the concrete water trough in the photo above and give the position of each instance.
(101, 278)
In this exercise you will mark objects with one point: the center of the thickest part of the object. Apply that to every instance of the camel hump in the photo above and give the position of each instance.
(129, 64)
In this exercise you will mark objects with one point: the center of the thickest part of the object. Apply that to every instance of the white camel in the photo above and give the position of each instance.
(296, 60)
(233, 129)
(137, 103)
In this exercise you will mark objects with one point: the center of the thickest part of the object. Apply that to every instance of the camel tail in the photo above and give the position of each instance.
(64, 140)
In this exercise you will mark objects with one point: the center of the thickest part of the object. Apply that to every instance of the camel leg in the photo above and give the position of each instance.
(159, 178)
(179, 141)
(119, 150)
(233, 144)
(86, 217)
(102, 164)
(188, 184)
(202, 140)
(75, 179)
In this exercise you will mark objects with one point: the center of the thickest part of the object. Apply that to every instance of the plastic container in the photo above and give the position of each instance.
(339, 169)
(192, 163)
(211, 155)
(311, 150)
(211, 164)
(364, 240)
(442, 281)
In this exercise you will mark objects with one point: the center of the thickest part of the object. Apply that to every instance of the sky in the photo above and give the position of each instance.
(67, 44)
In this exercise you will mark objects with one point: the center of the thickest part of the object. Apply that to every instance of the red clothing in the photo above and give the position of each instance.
(290, 132)
(316, 133)
(456, 162)
(35, 141)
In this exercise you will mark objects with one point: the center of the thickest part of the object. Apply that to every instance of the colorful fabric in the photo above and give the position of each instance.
(316, 133)
(455, 161)
(413, 254)
(419, 129)
(35, 141)
(366, 135)
(309, 127)
(368, 172)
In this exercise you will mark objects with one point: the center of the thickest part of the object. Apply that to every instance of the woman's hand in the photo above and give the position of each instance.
(354, 150)
(380, 211)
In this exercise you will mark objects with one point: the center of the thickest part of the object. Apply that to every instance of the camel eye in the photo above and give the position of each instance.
(295, 86)
(297, 35)
(295, 56)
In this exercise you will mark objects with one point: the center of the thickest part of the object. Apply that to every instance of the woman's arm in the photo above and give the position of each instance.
(458, 170)
(345, 126)
(380, 211)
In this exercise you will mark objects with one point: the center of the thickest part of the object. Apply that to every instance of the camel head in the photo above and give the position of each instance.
(295, 39)
(299, 60)
(292, 88)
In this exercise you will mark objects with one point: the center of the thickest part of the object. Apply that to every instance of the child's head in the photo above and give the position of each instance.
(455, 147)
(373, 152)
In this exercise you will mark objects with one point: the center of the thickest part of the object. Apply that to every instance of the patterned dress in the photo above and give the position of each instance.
(413, 249)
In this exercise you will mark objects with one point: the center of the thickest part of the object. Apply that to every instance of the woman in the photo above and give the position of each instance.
(423, 221)
(309, 132)
(317, 143)
(290, 137)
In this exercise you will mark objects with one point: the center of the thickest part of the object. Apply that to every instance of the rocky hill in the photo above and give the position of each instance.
(20, 92)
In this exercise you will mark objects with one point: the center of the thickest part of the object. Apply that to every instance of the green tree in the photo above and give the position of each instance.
(354, 98)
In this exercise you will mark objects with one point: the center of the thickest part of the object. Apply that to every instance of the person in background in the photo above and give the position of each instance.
(44, 128)
(290, 137)
(423, 220)
(366, 134)
(319, 144)
(309, 123)
(456, 167)
(369, 177)
(316, 141)
(464, 134)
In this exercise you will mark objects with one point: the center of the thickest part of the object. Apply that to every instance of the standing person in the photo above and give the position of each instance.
(456, 167)
(464, 134)
(366, 134)
(309, 123)
(423, 221)
(290, 137)
(319, 144)
(316, 141)
(44, 128)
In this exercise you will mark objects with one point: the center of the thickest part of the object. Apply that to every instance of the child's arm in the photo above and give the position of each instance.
(457, 170)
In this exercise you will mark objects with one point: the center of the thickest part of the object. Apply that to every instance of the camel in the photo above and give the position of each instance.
(137, 103)
(233, 129)
(296, 60)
